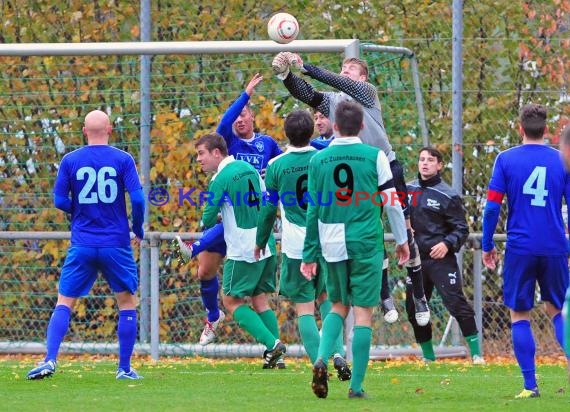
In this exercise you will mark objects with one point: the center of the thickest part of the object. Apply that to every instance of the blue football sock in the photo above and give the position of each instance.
(57, 328)
(210, 238)
(127, 334)
(209, 290)
(558, 323)
(525, 347)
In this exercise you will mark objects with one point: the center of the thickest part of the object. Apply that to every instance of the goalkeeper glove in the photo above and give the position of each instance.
(284, 61)
(280, 66)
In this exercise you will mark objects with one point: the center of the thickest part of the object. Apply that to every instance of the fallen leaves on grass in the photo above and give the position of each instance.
(67, 362)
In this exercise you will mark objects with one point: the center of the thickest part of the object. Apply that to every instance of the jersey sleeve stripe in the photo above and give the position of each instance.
(494, 196)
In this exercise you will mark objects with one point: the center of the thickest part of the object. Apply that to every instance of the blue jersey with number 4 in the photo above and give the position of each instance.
(97, 177)
(533, 178)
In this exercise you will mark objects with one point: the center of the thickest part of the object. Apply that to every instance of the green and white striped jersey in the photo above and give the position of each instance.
(286, 180)
(235, 190)
(339, 217)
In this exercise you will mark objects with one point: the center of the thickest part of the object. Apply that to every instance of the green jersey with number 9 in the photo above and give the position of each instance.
(344, 211)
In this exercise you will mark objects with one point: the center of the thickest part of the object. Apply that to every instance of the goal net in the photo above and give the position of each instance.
(43, 100)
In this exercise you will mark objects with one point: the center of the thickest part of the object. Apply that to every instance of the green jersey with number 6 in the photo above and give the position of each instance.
(286, 180)
(236, 191)
(345, 203)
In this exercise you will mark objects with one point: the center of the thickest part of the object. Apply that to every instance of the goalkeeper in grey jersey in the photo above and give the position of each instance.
(352, 84)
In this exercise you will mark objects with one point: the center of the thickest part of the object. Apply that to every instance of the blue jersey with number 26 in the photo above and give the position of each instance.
(97, 177)
(534, 180)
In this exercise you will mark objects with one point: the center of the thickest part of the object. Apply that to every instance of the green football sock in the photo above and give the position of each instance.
(361, 354)
(249, 320)
(270, 321)
(427, 350)
(473, 342)
(309, 335)
(332, 327)
(324, 309)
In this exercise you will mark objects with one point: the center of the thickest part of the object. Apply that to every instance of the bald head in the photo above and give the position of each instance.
(97, 127)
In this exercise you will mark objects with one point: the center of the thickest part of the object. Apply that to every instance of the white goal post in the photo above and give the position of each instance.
(149, 287)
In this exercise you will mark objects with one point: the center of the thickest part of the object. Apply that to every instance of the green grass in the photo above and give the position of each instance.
(223, 385)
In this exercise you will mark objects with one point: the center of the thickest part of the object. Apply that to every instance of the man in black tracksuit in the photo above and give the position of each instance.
(440, 229)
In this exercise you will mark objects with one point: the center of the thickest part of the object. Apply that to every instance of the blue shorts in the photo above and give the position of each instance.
(82, 264)
(216, 244)
(522, 272)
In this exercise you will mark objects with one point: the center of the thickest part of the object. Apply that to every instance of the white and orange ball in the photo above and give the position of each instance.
(283, 28)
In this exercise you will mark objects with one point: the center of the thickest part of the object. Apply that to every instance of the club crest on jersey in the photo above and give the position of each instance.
(259, 146)
(433, 203)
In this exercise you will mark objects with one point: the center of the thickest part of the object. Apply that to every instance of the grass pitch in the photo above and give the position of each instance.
(197, 384)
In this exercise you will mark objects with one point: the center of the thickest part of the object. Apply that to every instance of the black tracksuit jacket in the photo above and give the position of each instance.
(437, 215)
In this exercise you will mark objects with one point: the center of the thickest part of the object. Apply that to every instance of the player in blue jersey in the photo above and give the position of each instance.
(91, 185)
(565, 150)
(237, 129)
(533, 178)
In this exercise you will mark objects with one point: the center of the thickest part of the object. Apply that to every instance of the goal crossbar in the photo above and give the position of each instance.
(348, 46)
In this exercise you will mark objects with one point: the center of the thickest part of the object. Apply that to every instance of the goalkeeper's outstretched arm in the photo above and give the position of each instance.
(363, 92)
(306, 93)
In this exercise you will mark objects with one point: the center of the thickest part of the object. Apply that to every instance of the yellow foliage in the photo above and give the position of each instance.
(168, 302)
(51, 248)
(80, 309)
(159, 166)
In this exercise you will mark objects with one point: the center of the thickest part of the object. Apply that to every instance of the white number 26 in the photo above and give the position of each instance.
(106, 188)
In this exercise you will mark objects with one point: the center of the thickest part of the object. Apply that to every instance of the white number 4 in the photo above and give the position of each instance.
(535, 185)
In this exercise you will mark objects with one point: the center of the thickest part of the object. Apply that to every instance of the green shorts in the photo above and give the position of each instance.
(355, 282)
(243, 279)
(293, 284)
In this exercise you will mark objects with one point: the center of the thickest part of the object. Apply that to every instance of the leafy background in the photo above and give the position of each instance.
(514, 53)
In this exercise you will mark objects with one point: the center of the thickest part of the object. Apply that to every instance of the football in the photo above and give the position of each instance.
(283, 28)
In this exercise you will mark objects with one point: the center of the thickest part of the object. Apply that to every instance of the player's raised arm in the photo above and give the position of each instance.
(225, 128)
(298, 87)
(360, 90)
